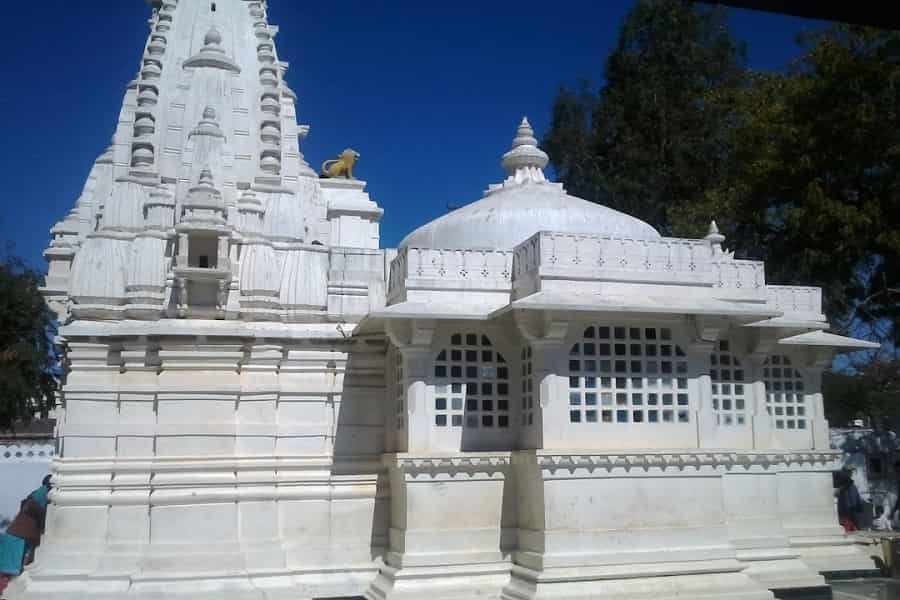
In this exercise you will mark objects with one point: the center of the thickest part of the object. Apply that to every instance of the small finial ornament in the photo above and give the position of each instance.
(208, 125)
(713, 234)
(714, 237)
(212, 54)
(212, 37)
(248, 202)
(206, 177)
(524, 135)
(525, 162)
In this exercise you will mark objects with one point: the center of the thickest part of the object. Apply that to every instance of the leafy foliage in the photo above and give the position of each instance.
(872, 395)
(800, 169)
(27, 384)
(656, 136)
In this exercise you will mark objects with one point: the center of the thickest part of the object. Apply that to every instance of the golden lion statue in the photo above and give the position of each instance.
(341, 166)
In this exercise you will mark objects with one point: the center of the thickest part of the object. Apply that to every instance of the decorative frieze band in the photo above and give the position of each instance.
(683, 461)
(475, 462)
(27, 452)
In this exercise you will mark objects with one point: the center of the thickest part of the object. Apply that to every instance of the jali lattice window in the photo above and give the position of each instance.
(785, 398)
(471, 384)
(628, 375)
(527, 388)
(728, 386)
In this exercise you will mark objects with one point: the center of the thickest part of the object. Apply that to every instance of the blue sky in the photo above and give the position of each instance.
(428, 93)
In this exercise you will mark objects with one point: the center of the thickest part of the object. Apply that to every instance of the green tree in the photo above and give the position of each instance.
(655, 137)
(814, 189)
(839, 202)
(27, 384)
(801, 169)
(872, 395)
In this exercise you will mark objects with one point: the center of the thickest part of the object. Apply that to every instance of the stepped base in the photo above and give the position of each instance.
(709, 580)
(259, 586)
(459, 582)
(782, 573)
(821, 592)
(843, 555)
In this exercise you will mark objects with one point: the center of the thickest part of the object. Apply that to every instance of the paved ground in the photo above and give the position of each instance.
(867, 589)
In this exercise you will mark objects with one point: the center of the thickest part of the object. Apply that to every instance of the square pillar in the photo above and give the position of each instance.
(445, 535)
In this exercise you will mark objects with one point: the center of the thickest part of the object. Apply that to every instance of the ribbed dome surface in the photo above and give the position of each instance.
(521, 206)
(509, 217)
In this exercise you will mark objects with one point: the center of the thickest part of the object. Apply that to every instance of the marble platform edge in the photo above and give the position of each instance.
(819, 592)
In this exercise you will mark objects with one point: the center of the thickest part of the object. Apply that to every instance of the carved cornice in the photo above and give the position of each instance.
(481, 463)
(684, 461)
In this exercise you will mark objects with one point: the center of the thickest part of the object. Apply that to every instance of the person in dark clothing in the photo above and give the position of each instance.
(849, 503)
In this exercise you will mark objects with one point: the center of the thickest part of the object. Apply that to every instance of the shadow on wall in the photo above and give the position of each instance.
(359, 438)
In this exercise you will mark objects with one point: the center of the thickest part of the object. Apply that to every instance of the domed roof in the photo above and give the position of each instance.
(524, 204)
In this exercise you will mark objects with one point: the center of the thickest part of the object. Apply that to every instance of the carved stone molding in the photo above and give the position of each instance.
(463, 466)
(682, 461)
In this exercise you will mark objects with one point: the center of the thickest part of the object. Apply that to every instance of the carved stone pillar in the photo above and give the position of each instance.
(445, 535)
(700, 389)
(818, 359)
(547, 402)
(183, 250)
(222, 253)
(763, 438)
(413, 340)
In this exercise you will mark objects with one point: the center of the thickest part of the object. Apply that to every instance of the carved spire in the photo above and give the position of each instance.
(251, 212)
(525, 162)
(108, 155)
(209, 124)
(204, 202)
(212, 54)
(206, 179)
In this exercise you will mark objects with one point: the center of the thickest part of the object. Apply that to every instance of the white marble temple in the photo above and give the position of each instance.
(534, 397)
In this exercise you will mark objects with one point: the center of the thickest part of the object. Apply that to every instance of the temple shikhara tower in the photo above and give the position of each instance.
(534, 397)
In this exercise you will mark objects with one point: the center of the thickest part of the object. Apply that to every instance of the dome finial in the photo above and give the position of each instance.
(525, 161)
(524, 135)
(714, 238)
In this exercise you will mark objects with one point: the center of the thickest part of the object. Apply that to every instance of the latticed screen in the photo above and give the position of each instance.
(628, 375)
(527, 388)
(785, 398)
(471, 384)
(728, 386)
